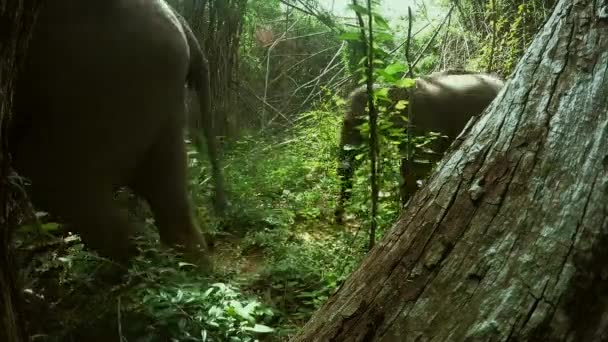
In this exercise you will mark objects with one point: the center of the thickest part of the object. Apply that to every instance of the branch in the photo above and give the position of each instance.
(284, 72)
(298, 8)
(330, 66)
(373, 130)
(446, 42)
(493, 47)
(428, 44)
(413, 35)
(268, 67)
(249, 90)
(322, 17)
(410, 72)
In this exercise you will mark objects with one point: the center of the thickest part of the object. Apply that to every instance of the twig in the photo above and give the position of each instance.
(408, 43)
(330, 66)
(320, 16)
(410, 74)
(268, 69)
(300, 62)
(307, 35)
(305, 11)
(428, 44)
(493, 47)
(413, 35)
(333, 86)
(119, 321)
(317, 80)
(373, 118)
(264, 102)
(464, 23)
(372, 115)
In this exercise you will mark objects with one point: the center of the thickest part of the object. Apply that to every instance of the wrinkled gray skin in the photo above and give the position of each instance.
(100, 105)
(442, 102)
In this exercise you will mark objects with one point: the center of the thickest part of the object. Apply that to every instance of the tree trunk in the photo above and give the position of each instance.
(16, 18)
(509, 238)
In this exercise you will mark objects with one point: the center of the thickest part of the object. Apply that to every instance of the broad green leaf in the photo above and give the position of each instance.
(240, 310)
(380, 21)
(383, 77)
(215, 311)
(208, 292)
(259, 328)
(50, 226)
(179, 296)
(401, 104)
(381, 93)
(358, 8)
(405, 83)
(251, 307)
(382, 37)
(350, 36)
(394, 68)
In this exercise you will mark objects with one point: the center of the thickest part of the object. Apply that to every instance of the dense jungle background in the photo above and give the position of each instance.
(281, 73)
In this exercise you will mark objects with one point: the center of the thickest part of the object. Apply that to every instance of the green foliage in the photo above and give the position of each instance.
(284, 56)
(159, 299)
(278, 254)
(384, 41)
(283, 187)
(392, 137)
(496, 32)
(303, 268)
(191, 313)
(274, 184)
(505, 43)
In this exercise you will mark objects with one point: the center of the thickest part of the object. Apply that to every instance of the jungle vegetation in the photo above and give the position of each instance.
(281, 73)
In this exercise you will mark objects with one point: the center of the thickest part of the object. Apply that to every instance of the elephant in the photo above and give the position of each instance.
(100, 105)
(442, 102)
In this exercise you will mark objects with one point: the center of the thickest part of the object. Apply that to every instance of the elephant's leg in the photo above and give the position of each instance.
(162, 180)
(345, 175)
(411, 173)
(92, 213)
(408, 181)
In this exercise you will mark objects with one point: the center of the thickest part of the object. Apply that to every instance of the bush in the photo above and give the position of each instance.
(159, 299)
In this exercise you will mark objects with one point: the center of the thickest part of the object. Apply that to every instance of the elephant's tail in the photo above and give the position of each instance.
(198, 80)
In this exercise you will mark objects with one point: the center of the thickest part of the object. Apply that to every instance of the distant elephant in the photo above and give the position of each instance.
(442, 102)
(100, 105)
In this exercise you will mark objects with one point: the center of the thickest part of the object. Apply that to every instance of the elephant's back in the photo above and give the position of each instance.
(445, 102)
(102, 78)
(106, 44)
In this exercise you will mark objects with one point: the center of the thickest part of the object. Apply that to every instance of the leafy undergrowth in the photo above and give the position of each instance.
(73, 295)
(277, 254)
(291, 271)
(279, 241)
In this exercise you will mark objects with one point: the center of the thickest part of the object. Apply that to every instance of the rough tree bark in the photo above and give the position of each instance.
(16, 17)
(508, 241)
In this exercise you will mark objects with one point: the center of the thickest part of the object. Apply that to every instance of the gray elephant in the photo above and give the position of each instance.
(100, 104)
(442, 102)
